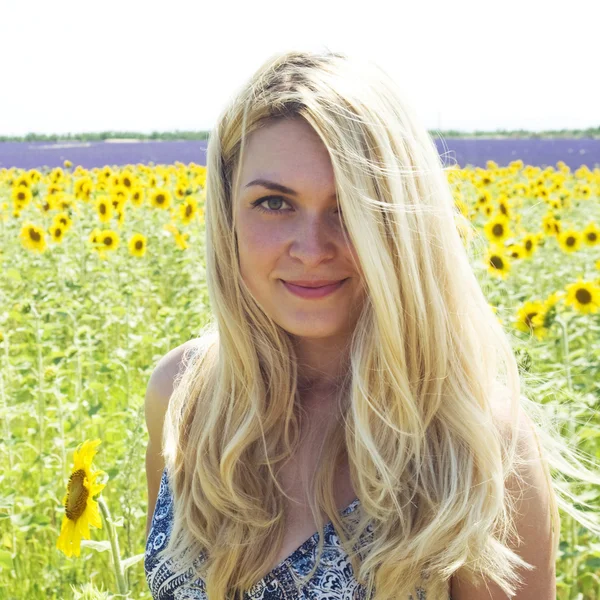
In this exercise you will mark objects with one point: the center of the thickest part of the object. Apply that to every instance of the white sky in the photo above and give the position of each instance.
(134, 65)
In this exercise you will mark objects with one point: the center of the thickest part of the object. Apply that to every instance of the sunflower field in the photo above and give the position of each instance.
(103, 273)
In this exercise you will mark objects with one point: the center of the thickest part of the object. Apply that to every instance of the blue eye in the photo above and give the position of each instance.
(257, 204)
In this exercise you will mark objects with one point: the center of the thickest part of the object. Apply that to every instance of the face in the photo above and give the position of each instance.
(295, 234)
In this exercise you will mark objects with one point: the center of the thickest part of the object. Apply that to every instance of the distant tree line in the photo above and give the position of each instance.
(592, 132)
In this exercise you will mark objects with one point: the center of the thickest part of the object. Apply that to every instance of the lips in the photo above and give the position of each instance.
(313, 292)
(315, 284)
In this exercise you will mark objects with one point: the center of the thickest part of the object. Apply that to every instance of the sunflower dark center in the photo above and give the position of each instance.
(108, 241)
(592, 236)
(529, 318)
(570, 241)
(528, 245)
(583, 296)
(160, 198)
(139, 245)
(498, 229)
(77, 495)
(496, 262)
(34, 235)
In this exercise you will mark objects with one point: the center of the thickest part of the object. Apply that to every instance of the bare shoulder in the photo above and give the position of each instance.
(169, 366)
(533, 520)
(162, 383)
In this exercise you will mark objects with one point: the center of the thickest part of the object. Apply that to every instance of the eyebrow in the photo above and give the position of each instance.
(277, 187)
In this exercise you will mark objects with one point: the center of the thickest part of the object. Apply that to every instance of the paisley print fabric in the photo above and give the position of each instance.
(333, 579)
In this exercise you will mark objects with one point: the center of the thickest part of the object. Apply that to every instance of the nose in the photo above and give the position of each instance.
(316, 239)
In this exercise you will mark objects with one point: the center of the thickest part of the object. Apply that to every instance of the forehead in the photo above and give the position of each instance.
(286, 149)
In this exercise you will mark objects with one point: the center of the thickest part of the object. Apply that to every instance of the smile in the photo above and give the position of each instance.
(318, 292)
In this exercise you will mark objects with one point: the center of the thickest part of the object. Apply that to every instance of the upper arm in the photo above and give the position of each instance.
(158, 393)
(533, 510)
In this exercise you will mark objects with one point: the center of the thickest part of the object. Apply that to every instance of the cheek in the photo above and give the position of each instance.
(259, 247)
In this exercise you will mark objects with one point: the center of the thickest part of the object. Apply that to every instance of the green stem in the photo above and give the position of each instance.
(40, 391)
(565, 341)
(114, 545)
(571, 426)
(11, 462)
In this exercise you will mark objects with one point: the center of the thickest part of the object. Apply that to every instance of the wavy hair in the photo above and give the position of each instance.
(427, 362)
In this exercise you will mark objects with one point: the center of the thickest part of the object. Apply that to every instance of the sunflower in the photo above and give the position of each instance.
(530, 318)
(121, 217)
(550, 224)
(81, 510)
(487, 210)
(104, 209)
(584, 296)
(529, 243)
(33, 237)
(83, 188)
(515, 251)
(105, 173)
(160, 198)
(569, 240)
(57, 175)
(119, 193)
(34, 176)
(137, 245)
(21, 196)
(181, 190)
(24, 180)
(54, 188)
(497, 229)
(504, 207)
(591, 235)
(137, 195)
(200, 178)
(108, 239)
(127, 179)
(57, 232)
(497, 262)
(64, 220)
(584, 190)
(94, 238)
(188, 210)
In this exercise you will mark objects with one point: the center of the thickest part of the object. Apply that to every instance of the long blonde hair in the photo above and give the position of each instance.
(428, 360)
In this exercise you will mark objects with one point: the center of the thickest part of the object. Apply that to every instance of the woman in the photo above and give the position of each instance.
(349, 382)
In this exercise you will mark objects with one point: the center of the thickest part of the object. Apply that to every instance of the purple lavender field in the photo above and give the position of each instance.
(461, 151)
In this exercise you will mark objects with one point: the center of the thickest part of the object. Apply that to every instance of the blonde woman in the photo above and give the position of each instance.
(342, 428)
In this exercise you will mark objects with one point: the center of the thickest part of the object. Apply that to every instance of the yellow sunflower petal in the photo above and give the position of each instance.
(65, 540)
(96, 488)
(89, 448)
(83, 526)
(93, 514)
(76, 541)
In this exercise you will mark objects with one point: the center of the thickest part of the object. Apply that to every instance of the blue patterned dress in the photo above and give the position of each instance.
(333, 579)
